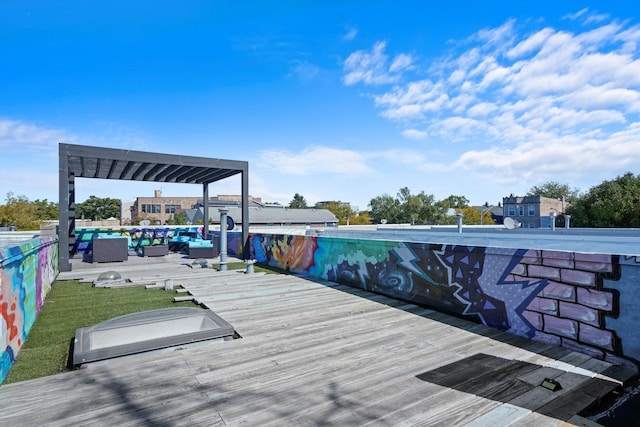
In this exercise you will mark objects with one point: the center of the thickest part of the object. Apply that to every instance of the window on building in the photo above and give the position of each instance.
(171, 209)
(511, 210)
(532, 210)
(151, 208)
(521, 210)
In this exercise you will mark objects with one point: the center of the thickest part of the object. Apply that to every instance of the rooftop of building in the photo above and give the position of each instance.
(313, 353)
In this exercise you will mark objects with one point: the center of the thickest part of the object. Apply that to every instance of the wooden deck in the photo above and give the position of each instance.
(314, 353)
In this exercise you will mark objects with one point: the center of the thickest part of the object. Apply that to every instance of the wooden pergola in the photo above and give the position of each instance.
(79, 161)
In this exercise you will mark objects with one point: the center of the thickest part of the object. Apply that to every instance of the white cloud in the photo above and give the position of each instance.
(482, 109)
(576, 15)
(21, 136)
(530, 44)
(604, 96)
(496, 37)
(629, 38)
(596, 17)
(413, 100)
(371, 67)
(350, 35)
(401, 62)
(414, 134)
(529, 102)
(305, 71)
(588, 16)
(316, 160)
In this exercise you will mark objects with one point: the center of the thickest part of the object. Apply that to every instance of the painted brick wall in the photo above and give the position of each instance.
(556, 297)
(571, 310)
(27, 272)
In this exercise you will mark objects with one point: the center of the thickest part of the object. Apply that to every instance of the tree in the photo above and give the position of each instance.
(342, 211)
(46, 210)
(179, 218)
(24, 214)
(410, 206)
(97, 208)
(456, 203)
(555, 190)
(428, 211)
(406, 208)
(472, 216)
(384, 208)
(614, 203)
(298, 202)
(360, 219)
(453, 202)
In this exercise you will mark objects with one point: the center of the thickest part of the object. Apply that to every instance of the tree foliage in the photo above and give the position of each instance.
(614, 203)
(405, 208)
(344, 213)
(361, 219)
(384, 208)
(555, 190)
(473, 216)
(454, 202)
(298, 202)
(180, 218)
(96, 208)
(18, 211)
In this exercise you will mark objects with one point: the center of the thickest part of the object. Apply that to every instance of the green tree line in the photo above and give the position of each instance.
(23, 214)
(613, 203)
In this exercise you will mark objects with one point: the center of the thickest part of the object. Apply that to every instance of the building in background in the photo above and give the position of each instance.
(125, 212)
(268, 216)
(159, 210)
(533, 211)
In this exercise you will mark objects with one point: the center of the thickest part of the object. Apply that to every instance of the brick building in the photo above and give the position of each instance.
(159, 209)
(532, 211)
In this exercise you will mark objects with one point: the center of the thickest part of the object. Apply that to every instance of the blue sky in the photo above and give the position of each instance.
(335, 100)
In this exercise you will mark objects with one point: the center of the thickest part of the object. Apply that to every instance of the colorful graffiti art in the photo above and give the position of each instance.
(27, 272)
(566, 299)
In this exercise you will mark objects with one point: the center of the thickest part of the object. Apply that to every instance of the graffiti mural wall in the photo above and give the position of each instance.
(586, 302)
(27, 272)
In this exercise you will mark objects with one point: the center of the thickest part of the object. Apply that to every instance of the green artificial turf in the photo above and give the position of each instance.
(71, 305)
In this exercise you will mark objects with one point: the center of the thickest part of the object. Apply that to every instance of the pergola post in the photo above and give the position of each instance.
(245, 213)
(66, 223)
(205, 210)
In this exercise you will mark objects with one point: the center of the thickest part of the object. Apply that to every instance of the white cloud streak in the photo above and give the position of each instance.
(350, 35)
(515, 102)
(316, 160)
(373, 68)
(21, 136)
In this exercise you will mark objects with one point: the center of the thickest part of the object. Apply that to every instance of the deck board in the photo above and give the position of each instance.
(311, 353)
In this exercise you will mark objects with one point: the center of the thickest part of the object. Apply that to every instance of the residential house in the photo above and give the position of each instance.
(533, 211)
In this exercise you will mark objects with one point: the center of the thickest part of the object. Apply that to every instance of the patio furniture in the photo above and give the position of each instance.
(110, 249)
(180, 242)
(155, 250)
(202, 249)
